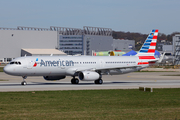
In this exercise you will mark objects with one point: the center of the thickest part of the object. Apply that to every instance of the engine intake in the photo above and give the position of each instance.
(51, 78)
(88, 76)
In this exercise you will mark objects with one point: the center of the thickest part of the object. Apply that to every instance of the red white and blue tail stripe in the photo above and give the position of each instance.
(148, 49)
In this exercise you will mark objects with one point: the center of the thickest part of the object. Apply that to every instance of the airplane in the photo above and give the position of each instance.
(86, 68)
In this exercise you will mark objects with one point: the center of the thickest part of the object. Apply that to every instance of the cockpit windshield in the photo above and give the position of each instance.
(15, 62)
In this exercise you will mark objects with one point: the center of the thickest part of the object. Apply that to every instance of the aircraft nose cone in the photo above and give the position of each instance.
(7, 69)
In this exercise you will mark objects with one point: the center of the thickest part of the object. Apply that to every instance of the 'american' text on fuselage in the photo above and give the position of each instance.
(56, 63)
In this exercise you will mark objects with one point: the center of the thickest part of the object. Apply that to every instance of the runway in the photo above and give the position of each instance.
(126, 81)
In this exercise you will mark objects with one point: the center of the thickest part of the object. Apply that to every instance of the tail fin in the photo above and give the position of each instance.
(148, 49)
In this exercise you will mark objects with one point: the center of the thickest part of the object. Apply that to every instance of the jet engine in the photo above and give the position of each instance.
(88, 75)
(51, 78)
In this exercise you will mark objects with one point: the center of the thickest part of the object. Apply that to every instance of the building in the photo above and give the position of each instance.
(13, 40)
(41, 52)
(20, 41)
(97, 39)
(172, 51)
(167, 48)
(77, 41)
(70, 40)
(176, 49)
(123, 45)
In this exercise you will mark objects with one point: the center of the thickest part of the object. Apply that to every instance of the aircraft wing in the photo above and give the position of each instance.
(73, 71)
(123, 67)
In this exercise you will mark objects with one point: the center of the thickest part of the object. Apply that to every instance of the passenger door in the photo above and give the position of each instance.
(29, 64)
(101, 63)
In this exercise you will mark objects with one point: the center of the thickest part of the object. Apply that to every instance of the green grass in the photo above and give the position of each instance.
(4, 80)
(91, 104)
(172, 75)
(1, 69)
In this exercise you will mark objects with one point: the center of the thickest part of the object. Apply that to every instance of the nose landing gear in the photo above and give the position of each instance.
(24, 82)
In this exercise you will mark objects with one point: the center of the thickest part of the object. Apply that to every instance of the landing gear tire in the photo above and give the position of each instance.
(23, 83)
(74, 81)
(100, 81)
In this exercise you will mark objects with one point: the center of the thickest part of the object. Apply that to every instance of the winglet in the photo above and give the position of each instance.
(161, 58)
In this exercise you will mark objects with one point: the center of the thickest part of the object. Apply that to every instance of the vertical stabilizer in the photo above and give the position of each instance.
(148, 49)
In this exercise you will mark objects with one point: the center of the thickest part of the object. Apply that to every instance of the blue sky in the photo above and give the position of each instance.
(120, 15)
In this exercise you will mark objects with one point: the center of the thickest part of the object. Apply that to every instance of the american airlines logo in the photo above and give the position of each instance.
(35, 64)
(56, 63)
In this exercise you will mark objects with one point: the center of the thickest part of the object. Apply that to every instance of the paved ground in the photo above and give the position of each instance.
(125, 81)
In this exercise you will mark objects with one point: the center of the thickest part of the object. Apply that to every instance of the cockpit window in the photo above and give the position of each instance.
(11, 62)
(15, 62)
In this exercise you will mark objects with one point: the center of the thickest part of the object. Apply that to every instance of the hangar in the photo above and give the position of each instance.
(20, 41)
(41, 52)
(13, 40)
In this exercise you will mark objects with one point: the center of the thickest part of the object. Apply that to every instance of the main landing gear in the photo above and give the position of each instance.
(24, 82)
(74, 80)
(99, 81)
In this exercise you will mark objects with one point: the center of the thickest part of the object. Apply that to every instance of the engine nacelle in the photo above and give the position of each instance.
(51, 78)
(88, 76)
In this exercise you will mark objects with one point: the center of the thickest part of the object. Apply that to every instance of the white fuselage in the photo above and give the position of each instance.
(69, 65)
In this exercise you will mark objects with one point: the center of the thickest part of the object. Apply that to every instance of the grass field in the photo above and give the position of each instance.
(1, 69)
(172, 75)
(91, 104)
